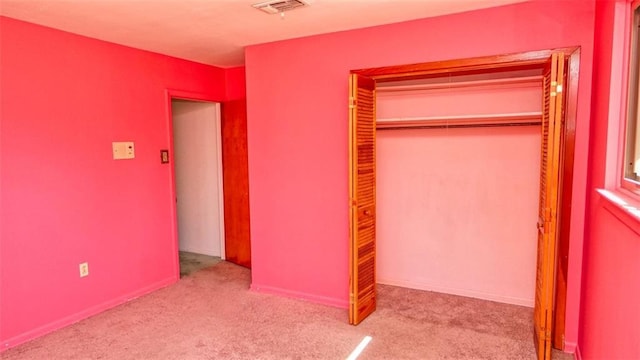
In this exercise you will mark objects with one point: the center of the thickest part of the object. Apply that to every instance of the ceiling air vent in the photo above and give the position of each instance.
(279, 6)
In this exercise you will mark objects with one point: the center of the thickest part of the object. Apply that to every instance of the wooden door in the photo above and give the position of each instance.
(236, 182)
(566, 193)
(553, 103)
(362, 197)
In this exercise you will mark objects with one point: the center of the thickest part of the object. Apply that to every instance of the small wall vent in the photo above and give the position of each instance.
(279, 6)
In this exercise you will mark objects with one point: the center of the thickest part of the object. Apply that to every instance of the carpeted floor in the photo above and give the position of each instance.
(211, 314)
(192, 262)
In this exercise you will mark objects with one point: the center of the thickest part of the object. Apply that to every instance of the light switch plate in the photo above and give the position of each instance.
(84, 269)
(123, 150)
(164, 156)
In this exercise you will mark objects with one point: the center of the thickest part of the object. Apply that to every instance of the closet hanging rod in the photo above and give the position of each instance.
(469, 118)
(426, 122)
(457, 126)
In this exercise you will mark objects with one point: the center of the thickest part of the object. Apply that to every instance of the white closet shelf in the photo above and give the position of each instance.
(518, 81)
(461, 120)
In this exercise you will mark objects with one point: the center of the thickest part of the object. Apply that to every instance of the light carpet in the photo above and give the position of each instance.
(212, 315)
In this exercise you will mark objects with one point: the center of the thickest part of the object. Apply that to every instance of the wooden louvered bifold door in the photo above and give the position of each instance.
(552, 113)
(362, 196)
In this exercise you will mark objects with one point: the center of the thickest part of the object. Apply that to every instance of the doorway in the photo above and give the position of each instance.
(198, 183)
(559, 68)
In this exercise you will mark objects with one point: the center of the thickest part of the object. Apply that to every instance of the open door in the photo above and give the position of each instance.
(236, 182)
(567, 156)
(552, 113)
(362, 197)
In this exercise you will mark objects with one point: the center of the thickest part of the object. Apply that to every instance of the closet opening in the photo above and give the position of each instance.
(459, 171)
(457, 184)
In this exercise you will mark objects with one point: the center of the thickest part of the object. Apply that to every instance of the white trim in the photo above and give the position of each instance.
(458, 291)
(577, 354)
(571, 347)
(218, 125)
(626, 204)
(220, 180)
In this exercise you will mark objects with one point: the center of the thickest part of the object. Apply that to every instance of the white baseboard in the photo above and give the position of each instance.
(460, 292)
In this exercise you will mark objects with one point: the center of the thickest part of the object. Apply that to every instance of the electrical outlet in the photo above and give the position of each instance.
(84, 269)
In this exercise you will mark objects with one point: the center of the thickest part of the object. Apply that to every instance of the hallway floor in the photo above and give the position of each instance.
(192, 262)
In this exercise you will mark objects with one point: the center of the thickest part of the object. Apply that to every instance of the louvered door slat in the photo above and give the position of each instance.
(553, 104)
(362, 185)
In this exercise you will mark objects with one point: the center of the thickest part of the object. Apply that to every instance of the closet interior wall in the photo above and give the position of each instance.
(458, 166)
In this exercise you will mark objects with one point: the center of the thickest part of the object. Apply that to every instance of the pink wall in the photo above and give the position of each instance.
(236, 83)
(64, 201)
(457, 208)
(297, 129)
(610, 314)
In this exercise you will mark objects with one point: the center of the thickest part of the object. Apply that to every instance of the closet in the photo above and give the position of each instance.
(457, 183)
(481, 124)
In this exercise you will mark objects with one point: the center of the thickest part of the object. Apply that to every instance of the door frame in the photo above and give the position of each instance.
(171, 95)
(516, 61)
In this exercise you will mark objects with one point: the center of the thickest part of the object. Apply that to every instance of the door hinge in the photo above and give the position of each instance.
(547, 326)
(550, 215)
(555, 88)
(352, 103)
(545, 227)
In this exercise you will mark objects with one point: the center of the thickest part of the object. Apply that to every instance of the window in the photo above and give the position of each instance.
(631, 171)
(626, 170)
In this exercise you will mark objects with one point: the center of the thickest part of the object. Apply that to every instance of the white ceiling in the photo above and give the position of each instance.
(216, 31)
